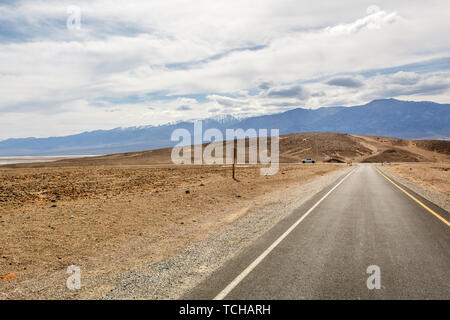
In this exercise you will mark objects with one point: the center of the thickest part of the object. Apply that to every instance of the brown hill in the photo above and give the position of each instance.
(394, 155)
(324, 147)
(439, 146)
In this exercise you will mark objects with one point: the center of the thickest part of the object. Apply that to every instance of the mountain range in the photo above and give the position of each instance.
(386, 117)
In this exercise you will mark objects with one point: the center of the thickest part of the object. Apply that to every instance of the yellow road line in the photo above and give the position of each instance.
(415, 199)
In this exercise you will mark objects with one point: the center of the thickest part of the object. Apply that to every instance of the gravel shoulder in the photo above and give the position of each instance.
(422, 179)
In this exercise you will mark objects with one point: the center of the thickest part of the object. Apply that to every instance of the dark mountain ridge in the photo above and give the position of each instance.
(387, 117)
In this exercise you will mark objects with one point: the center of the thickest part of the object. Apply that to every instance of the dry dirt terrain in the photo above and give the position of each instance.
(117, 211)
(115, 217)
(431, 175)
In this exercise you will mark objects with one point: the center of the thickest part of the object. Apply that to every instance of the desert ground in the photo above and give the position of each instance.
(115, 212)
(435, 176)
(51, 218)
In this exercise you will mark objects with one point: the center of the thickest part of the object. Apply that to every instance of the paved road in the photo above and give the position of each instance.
(365, 220)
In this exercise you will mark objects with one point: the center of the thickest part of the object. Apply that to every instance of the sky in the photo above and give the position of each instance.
(73, 66)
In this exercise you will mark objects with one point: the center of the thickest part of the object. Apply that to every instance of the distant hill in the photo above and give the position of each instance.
(321, 146)
(388, 117)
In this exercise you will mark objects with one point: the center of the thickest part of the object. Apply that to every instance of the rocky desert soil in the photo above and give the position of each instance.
(430, 180)
(431, 175)
(110, 219)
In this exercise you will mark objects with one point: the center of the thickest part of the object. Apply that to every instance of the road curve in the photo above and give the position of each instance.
(362, 221)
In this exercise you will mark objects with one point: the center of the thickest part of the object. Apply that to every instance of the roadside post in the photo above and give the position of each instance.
(234, 158)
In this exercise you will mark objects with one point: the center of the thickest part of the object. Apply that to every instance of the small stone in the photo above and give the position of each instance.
(188, 191)
(53, 206)
(72, 217)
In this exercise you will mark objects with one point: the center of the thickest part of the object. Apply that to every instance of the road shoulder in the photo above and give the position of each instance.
(438, 198)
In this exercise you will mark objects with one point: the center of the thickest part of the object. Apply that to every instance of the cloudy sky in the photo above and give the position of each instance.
(134, 63)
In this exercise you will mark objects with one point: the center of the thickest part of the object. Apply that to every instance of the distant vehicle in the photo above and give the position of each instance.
(308, 160)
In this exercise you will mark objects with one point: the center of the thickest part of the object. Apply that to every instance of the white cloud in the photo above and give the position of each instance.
(402, 85)
(180, 48)
(375, 20)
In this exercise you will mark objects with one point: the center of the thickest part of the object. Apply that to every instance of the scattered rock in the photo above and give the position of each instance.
(10, 276)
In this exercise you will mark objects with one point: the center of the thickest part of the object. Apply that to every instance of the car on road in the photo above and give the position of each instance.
(308, 160)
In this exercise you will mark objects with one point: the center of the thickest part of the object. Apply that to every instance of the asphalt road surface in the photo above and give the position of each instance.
(324, 249)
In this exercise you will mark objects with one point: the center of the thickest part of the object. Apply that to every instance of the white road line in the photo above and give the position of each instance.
(258, 260)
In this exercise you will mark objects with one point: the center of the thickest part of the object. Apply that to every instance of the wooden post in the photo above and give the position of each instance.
(234, 158)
